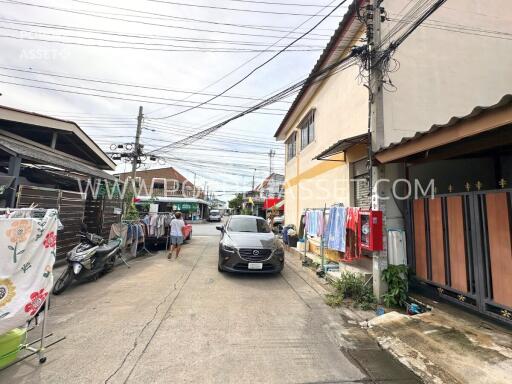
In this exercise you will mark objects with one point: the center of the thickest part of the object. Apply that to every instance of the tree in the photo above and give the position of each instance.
(236, 203)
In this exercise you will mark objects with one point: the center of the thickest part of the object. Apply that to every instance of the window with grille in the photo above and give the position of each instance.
(361, 185)
(291, 146)
(307, 130)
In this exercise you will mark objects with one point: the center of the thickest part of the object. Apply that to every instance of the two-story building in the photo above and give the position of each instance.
(445, 67)
(170, 190)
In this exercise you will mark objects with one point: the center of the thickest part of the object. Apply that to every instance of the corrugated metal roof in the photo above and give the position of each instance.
(331, 45)
(505, 100)
(342, 145)
(48, 157)
(22, 117)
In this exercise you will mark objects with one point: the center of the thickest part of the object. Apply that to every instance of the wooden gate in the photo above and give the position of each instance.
(71, 212)
(101, 213)
(462, 244)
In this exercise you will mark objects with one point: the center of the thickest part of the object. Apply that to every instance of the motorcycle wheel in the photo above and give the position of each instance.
(110, 264)
(63, 282)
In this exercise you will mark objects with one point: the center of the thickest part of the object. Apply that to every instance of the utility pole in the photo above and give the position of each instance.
(271, 154)
(194, 185)
(376, 133)
(136, 149)
(253, 175)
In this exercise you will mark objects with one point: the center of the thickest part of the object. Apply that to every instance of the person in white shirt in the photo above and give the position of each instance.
(177, 225)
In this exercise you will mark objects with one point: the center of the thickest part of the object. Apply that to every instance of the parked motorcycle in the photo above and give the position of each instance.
(89, 260)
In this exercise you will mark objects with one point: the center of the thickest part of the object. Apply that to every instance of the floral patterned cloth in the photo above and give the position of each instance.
(27, 255)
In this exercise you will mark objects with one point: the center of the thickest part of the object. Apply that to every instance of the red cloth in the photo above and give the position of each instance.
(352, 250)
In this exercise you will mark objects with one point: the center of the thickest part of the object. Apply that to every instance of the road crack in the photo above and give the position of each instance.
(149, 322)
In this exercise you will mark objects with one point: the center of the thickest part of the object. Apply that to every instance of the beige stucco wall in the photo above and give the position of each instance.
(443, 73)
(341, 112)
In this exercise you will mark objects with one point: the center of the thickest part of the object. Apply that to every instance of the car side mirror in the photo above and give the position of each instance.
(220, 228)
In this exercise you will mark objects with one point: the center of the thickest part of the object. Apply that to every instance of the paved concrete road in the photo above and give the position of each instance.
(184, 322)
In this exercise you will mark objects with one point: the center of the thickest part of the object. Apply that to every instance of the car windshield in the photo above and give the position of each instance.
(214, 212)
(248, 224)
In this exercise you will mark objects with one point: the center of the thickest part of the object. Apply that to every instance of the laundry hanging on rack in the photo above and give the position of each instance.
(352, 250)
(28, 247)
(119, 230)
(135, 235)
(302, 226)
(315, 222)
(336, 229)
(158, 224)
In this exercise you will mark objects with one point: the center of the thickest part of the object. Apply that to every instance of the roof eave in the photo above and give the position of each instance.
(40, 120)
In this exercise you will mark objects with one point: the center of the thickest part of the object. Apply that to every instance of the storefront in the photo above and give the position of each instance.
(193, 209)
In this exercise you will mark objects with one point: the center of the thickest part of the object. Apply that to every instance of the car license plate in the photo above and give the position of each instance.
(255, 266)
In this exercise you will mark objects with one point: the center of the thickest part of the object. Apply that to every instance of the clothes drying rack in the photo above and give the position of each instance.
(39, 345)
(322, 243)
(144, 242)
(166, 237)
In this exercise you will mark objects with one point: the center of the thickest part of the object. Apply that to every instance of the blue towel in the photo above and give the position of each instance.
(336, 229)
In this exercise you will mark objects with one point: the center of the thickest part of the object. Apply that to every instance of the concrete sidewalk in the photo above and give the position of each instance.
(447, 345)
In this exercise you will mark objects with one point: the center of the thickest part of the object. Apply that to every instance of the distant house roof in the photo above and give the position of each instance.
(426, 140)
(267, 181)
(167, 173)
(69, 139)
(327, 57)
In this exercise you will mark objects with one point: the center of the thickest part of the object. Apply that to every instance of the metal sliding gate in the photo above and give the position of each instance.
(462, 244)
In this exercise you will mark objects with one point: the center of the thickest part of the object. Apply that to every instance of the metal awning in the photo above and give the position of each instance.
(50, 157)
(342, 146)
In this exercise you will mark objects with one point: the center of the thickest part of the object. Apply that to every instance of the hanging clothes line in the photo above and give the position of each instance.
(338, 229)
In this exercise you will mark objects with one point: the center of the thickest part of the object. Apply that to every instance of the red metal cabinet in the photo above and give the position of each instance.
(370, 230)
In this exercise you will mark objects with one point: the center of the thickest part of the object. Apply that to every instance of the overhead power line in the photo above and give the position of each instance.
(254, 57)
(280, 3)
(148, 46)
(259, 28)
(152, 37)
(100, 95)
(141, 86)
(349, 60)
(228, 107)
(85, 13)
(222, 8)
(260, 65)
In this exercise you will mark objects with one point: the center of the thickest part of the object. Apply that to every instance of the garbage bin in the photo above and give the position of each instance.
(292, 241)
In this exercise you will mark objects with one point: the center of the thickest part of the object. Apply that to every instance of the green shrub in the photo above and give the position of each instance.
(352, 286)
(397, 278)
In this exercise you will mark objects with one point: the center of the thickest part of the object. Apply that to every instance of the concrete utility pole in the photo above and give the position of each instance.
(377, 135)
(253, 175)
(136, 149)
(271, 154)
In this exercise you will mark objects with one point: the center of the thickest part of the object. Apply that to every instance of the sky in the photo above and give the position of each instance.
(95, 62)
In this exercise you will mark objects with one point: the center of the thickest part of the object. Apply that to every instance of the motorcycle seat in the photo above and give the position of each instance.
(108, 247)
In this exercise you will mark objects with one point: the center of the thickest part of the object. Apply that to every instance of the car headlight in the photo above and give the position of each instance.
(228, 248)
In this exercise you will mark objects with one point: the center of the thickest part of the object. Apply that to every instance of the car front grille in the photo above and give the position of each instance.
(251, 254)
